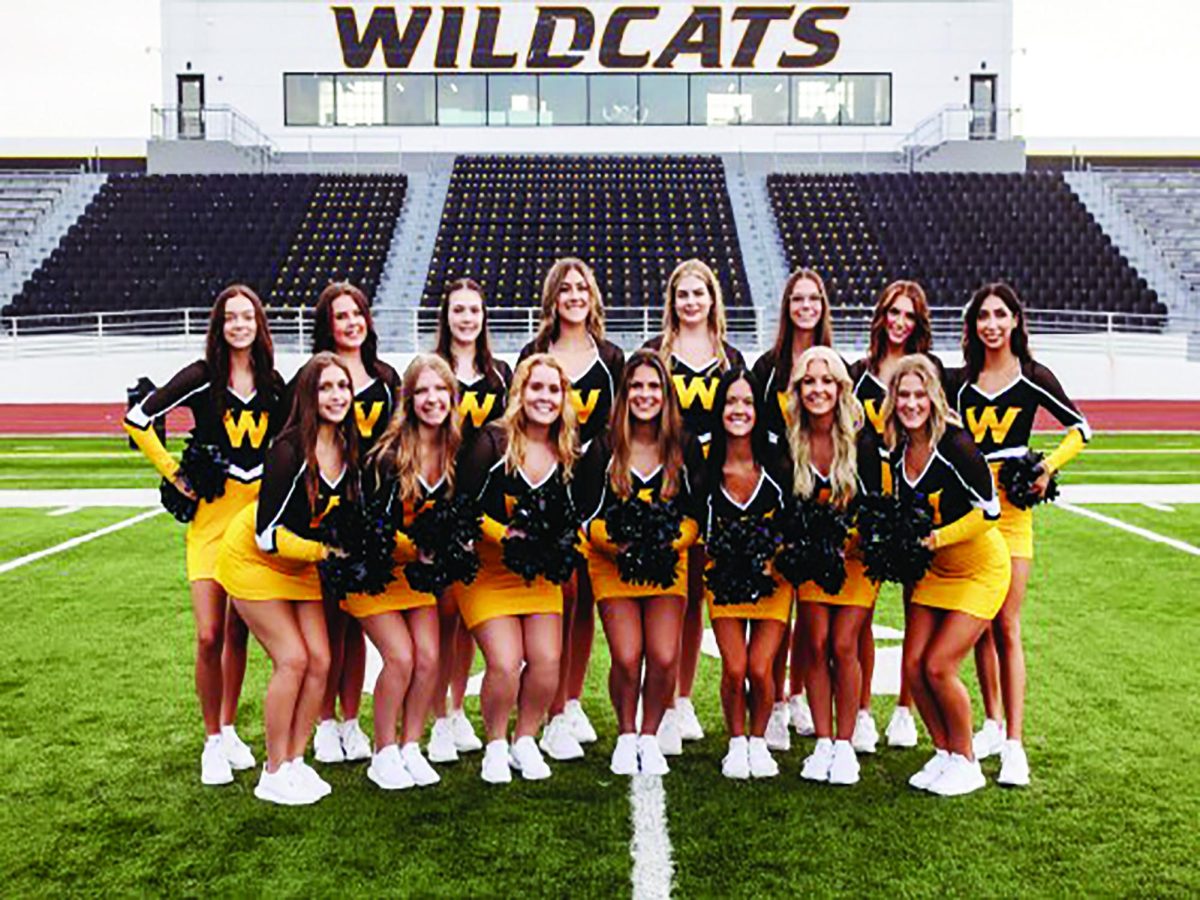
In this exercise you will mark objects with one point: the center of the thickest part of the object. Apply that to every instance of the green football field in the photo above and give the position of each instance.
(102, 734)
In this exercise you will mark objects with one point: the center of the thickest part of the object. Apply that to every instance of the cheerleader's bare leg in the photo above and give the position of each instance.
(208, 609)
(390, 635)
(233, 664)
(848, 624)
(815, 620)
(662, 618)
(622, 621)
(583, 635)
(502, 642)
(731, 639)
(310, 617)
(1006, 629)
(866, 659)
(423, 629)
(951, 643)
(766, 635)
(693, 623)
(335, 626)
(542, 639)
(354, 669)
(922, 624)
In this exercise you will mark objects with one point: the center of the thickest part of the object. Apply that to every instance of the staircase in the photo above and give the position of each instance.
(762, 253)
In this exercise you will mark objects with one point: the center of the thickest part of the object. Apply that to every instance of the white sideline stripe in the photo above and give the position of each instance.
(76, 541)
(1159, 507)
(65, 511)
(1093, 494)
(1179, 451)
(79, 498)
(650, 845)
(1132, 529)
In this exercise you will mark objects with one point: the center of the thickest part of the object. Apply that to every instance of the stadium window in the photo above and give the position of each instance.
(866, 100)
(663, 99)
(308, 100)
(612, 100)
(815, 100)
(766, 99)
(359, 100)
(562, 99)
(462, 99)
(717, 100)
(512, 100)
(411, 100)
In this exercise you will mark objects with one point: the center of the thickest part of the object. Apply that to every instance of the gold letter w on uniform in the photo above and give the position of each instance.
(584, 408)
(366, 420)
(689, 390)
(987, 421)
(245, 425)
(471, 408)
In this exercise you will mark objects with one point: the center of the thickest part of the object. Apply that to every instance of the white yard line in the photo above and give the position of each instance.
(1092, 494)
(650, 846)
(79, 498)
(1132, 529)
(64, 511)
(1167, 451)
(1159, 507)
(76, 541)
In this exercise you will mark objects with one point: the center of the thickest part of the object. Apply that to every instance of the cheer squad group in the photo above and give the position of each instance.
(655, 490)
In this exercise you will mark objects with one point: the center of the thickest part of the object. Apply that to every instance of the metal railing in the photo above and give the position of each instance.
(957, 122)
(211, 123)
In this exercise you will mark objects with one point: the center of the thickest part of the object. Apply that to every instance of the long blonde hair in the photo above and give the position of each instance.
(398, 450)
(550, 327)
(564, 434)
(716, 312)
(939, 410)
(669, 430)
(847, 420)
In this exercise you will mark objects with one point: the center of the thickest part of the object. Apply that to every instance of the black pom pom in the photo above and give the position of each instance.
(204, 467)
(740, 550)
(366, 539)
(812, 544)
(891, 535)
(1017, 475)
(548, 543)
(178, 504)
(646, 533)
(445, 532)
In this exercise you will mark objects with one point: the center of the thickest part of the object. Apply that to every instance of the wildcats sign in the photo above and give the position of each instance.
(596, 37)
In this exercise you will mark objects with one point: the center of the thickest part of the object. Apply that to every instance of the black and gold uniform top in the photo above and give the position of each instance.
(594, 474)
(593, 390)
(697, 388)
(284, 512)
(776, 391)
(956, 481)
(715, 505)
(871, 465)
(871, 391)
(243, 431)
(483, 400)
(1001, 423)
(374, 404)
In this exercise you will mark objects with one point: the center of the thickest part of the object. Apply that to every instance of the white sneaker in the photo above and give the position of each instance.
(816, 767)
(778, 736)
(280, 787)
(689, 723)
(235, 749)
(495, 768)
(558, 742)
(736, 763)
(418, 766)
(581, 726)
(355, 744)
(759, 758)
(650, 756)
(327, 743)
(625, 755)
(989, 740)
(214, 765)
(307, 778)
(1014, 766)
(441, 747)
(527, 759)
(929, 772)
(801, 716)
(866, 735)
(960, 776)
(902, 728)
(465, 739)
(670, 739)
(844, 768)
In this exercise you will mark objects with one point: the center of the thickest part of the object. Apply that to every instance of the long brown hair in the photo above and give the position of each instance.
(669, 430)
(922, 334)
(306, 420)
(550, 327)
(847, 420)
(716, 313)
(216, 349)
(397, 452)
(564, 434)
(972, 347)
(322, 336)
(484, 361)
(822, 337)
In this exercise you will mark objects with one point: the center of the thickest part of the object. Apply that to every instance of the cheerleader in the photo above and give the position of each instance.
(644, 449)
(804, 321)
(268, 565)
(572, 331)
(463, 342)
(1002, 389)
(737, 484)
(517, 622)
(835, 459)
(693, 346)
(342, 324)
(234, 396)
(900, 326)
(953, 604)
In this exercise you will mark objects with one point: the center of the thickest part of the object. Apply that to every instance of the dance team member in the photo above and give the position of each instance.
(644, 450)
(1001, 392)
(234, 394)
(693, 346)
(464, 343)
(572, 331)
(268, 565)
(410, 468)
(955, 601)
(835, 459)
(515, 622)
(342, 325)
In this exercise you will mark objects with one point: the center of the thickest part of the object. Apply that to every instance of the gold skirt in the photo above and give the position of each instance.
(776, 606)
(247, 573)
(859, 590)
(970, 577)
(1015, 525)
(205, 531)
(607, 583)
(498, 592)
(398, 597)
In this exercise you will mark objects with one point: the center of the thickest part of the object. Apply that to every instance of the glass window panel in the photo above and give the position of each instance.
(462, 99)
(815, 100)
(308, 99)
(613, 99)
(512, 100)
(562, 100)
(766, 99)
(664, 99)
(716, 100)
(360, 99)
(411, 100)
(866, 100)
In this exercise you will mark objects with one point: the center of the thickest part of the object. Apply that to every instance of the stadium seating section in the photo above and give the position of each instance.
(24, 198)
(633, 219)
(952, 233)
(161, 242)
